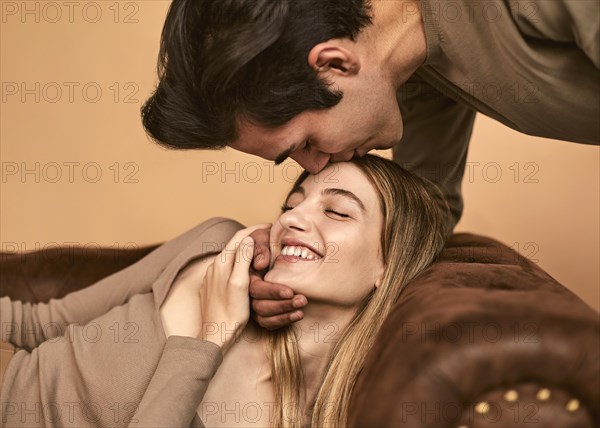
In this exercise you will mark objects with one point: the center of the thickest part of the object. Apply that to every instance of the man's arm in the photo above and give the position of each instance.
(436, 138)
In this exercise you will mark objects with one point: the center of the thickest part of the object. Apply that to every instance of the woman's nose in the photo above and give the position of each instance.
(295, 219)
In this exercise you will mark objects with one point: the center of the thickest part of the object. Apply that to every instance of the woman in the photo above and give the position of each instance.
(349, 239)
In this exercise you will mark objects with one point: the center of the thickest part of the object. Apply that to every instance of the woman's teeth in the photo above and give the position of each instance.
(302, 252)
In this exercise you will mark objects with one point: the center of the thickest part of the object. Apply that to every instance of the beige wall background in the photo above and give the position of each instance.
(77, 168)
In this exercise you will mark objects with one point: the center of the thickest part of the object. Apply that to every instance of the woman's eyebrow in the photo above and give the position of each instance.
(345, 193)
(298, 189)
(331, 191)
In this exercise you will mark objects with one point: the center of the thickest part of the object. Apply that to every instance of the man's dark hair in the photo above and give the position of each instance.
(221, 60)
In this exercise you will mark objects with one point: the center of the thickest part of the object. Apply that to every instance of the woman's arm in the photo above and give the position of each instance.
(27, 326)
(96, 374)
(180, 312)
(93, 375)
(187, 364)
(212, 292)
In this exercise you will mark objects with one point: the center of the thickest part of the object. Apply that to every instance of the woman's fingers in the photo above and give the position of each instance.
(240, 275)
(229, 254)
(262, 251)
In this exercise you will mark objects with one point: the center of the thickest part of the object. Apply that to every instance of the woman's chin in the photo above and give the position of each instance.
(277, 276)
(273, 275)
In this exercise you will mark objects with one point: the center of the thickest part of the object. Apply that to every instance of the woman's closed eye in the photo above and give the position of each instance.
(286, 207)
(337, 213)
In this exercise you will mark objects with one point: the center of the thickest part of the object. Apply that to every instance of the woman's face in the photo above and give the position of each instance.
(326, 244)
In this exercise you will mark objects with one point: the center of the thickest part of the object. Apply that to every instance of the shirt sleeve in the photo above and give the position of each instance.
(93, 375)
(178, 386)
(435, 141)
(567, 21)
(96, 374)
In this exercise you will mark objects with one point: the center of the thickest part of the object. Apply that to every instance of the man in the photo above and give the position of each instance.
(323, 81)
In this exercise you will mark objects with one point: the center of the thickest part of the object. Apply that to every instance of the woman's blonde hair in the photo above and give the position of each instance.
(415, 216)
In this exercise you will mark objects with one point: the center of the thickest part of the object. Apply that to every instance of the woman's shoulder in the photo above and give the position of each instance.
(207, 238)
(217, 227)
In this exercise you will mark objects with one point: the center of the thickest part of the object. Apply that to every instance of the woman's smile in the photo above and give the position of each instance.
(324, 220)
(294, 250)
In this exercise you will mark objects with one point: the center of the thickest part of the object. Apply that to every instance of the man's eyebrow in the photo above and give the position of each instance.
(345, 193)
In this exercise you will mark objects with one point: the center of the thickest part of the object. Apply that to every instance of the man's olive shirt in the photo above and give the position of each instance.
(532, 65)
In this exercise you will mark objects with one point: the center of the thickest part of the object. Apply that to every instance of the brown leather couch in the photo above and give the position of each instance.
(483, 338)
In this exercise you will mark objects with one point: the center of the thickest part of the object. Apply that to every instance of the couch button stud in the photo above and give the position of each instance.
(511, 395)
(572, 405)
(543, 394)
(482, 407)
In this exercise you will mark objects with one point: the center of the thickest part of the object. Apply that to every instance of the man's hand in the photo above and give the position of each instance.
(273, 305)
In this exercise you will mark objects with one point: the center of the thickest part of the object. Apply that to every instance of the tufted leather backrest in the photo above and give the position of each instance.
(483, 323)
(482, 338)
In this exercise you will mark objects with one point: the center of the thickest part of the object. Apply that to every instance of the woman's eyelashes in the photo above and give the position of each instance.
(285, 208)
(337, 213)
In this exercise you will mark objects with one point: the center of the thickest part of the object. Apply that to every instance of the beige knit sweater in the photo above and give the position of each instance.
(100, 356)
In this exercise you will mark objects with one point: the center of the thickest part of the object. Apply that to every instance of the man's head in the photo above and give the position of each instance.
(275, 78)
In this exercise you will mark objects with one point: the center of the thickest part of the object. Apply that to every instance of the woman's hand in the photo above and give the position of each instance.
(224, 298)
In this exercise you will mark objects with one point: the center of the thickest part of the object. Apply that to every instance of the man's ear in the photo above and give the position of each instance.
(331, 57)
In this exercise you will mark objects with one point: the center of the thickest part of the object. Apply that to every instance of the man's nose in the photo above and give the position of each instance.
(361, 152)
(313, 162)
(342, 156)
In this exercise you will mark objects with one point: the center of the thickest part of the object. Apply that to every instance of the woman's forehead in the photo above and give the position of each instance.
(341, 175)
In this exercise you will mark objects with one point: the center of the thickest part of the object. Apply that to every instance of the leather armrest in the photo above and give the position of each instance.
(38, 276)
